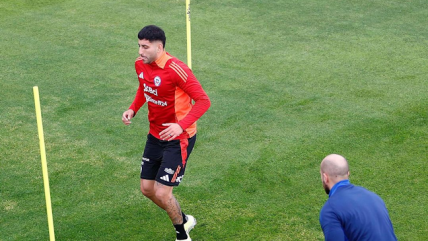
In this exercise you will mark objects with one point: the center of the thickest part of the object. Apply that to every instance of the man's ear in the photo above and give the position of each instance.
(325, 177)
(160, 47)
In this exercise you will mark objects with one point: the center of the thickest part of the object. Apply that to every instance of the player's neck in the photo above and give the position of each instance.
(162, 58)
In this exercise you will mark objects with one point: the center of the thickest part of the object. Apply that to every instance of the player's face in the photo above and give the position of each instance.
(149, 51)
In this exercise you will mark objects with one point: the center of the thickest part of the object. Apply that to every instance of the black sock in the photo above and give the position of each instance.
(181, 233)
(184, 217)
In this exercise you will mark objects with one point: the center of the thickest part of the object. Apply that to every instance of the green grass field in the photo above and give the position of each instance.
(289, 81)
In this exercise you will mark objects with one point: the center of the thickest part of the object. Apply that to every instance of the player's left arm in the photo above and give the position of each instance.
(186, 80)
(202, 102)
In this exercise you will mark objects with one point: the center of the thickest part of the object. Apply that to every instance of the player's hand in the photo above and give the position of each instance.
(171, 132)
(127, 116)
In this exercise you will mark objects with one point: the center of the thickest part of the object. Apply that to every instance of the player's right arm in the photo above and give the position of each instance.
(139, 101)
(331, 225)
(127, 116)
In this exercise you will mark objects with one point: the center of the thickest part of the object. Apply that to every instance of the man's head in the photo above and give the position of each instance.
(151, 43)
(334, 168)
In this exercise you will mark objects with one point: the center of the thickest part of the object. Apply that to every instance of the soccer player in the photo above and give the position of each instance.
(175, 100)
(351, 212)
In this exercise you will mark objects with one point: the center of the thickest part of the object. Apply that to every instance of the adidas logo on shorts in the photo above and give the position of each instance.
(165, 178)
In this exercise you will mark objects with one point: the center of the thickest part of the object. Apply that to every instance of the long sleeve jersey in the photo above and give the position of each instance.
(168, 87)
(355, 213)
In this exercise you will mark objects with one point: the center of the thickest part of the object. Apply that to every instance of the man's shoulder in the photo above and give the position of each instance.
(328, 211)
(353, 188)
(352, 194)
(173, 63)
(345, 191)
(177, 67)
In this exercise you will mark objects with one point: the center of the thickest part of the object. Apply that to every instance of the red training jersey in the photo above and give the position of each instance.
(169, 86)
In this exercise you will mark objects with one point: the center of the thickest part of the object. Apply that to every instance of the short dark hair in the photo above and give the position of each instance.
(152, 33)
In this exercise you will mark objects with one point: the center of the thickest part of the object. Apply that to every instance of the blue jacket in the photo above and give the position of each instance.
(355, 213)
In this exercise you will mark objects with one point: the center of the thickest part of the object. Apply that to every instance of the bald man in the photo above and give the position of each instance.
(351, 212)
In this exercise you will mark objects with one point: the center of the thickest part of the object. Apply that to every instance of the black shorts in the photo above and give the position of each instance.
(165, 161)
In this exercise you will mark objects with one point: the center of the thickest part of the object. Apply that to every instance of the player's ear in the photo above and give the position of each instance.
(160, 47)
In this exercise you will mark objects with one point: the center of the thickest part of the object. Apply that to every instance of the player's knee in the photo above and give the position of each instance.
(163, 195)
(148, 192)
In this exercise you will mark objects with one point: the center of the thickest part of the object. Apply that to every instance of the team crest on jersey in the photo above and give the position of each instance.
(141, 76)
(157, 80)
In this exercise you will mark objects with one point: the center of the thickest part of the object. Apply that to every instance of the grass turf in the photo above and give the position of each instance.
(290, 82)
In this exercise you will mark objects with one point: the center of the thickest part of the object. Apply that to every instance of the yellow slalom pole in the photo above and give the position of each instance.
(44, 165)
(189, 41)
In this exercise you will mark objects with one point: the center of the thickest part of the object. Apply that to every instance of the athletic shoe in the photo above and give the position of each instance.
(189, 225)
(188, 239)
